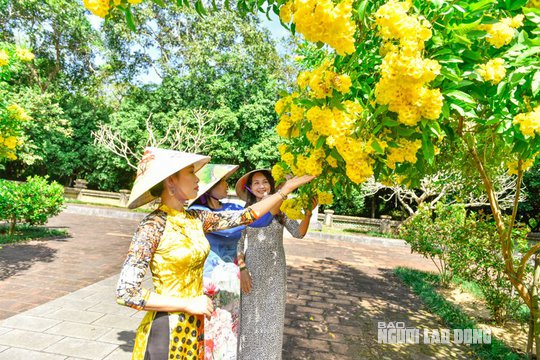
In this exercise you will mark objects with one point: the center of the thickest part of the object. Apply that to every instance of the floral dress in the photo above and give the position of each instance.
(173, 245)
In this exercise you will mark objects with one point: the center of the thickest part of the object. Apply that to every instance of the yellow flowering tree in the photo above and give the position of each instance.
(387, 83)
(12, 115)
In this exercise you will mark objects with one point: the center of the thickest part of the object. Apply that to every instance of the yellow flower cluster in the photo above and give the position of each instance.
(330, 121)
(10, 142)
(404, 71)
(493, 71)
(4, 58)
(293, 208)
(101, 8)
(356, 153)
(323, 80)
(310, 165)
(525, 165)
(501, 33)
(324, 21)
(97, 7)
(406, 152)
(325, 198)
(290, 114)
(25, 54)
(529, 123)
(534, 3)
(17, 113)
(278, 173)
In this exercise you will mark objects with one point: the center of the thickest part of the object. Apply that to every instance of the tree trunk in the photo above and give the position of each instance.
(530, 338)
(535, 309)
(12, 227)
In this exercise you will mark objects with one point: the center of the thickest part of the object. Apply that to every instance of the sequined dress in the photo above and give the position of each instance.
(262, 311)
(172, 244)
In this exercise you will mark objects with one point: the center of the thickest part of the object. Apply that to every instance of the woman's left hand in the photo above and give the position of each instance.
(314, 204)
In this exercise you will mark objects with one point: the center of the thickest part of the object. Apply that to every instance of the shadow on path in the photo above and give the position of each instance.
(333, 310)
(19, 257)
(128, 340)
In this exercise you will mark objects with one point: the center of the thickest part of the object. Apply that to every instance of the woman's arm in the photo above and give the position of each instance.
(245, 277)
(129, 291)
(213, 221)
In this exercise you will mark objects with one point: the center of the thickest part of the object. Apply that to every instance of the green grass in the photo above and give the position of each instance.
(518, 312)
(424, 286)
(327, 230)
(25, 232)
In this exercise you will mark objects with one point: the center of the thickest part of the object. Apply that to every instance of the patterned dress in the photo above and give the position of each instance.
(262, 311)
(173, 245)
(222, 282)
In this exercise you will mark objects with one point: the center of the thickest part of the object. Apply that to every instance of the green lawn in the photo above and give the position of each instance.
(25, 232)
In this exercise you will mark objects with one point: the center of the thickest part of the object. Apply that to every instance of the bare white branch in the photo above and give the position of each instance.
(185, 133)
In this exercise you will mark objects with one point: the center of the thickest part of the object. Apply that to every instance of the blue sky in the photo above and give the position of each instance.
(277, 32)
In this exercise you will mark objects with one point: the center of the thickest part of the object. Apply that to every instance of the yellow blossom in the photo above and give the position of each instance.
(17, 112)
(325, 198)
(406, 152)
(10, 142)
(493, 71)
(501, 33)
(529, 123)
(97, 7)
(4, 58)
(278, 173)
(331, 161)
(25, 54)
(525, 165)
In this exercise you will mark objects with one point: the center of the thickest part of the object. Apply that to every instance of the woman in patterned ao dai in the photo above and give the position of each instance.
(263, 275)
(171, 242)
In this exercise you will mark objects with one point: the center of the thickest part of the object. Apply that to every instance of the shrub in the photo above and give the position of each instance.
(466, 245)
(430, 233)
(32, 202)
(477, 258)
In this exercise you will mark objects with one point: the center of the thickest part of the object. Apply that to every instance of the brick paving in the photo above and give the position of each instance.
(56, 297)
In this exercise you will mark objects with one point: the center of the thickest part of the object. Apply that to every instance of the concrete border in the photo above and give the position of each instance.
(126, 214)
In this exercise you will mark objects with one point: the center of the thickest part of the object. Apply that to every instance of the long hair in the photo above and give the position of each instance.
(251, 199)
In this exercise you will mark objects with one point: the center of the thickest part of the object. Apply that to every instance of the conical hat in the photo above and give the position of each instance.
(155, 166)
(240, 187)
(210, 175)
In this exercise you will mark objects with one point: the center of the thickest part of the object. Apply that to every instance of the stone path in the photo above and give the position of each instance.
(57, 297)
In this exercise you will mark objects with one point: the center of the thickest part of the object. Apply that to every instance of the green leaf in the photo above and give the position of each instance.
(532, 14)
(428, 148)
(535, 83)
(446, 110)
(129, 19)
(481, 5)
(159, 2)
(450, 74)
(362, 9)
(377, 147)
(460, 95)
(463, 28)
(515, 4)
(200, 8)
(320, 142)
(389, 122)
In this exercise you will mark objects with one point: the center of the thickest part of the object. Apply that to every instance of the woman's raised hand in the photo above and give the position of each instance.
(297, 181)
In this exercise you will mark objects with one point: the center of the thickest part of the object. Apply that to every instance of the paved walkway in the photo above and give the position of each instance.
(57, 297)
